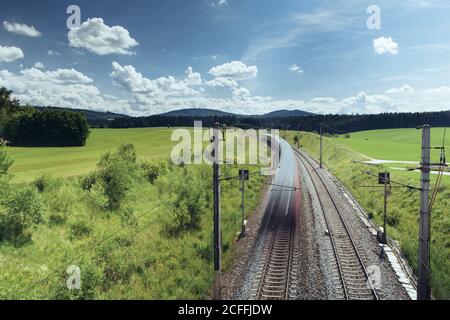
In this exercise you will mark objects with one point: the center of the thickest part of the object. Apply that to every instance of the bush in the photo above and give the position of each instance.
(115, 183)
(113, 178)
(61, 203)
(96, 198)
(19, 211)
(88, 181)
(55, 219)
(45, 182)
(153, 170)
(5, 162)
(79, 230)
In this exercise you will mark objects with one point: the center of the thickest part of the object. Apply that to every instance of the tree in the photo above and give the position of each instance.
(46, 128)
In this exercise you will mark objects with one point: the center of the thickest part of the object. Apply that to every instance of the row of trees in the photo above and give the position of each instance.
(29, 126)
(343, 123)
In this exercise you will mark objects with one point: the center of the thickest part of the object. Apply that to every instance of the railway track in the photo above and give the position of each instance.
(276, 270)
(353, 276)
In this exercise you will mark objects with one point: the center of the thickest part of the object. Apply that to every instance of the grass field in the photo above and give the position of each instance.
(403, 204)
(398, 144)
(156, 245)
(29, 163)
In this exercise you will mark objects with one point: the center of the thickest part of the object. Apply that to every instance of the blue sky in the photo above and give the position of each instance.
(144, 57)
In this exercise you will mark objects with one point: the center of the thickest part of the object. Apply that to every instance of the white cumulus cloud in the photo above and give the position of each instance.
(236, 70)
(21, 29)
(39, 65)
(296, 68)
(9, 54)
(404, 89)
(101, 39)
(67, 88)
(384, 45)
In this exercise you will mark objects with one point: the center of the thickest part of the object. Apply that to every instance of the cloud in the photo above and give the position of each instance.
(53, 53)
(9, 54)
(193, 78)
(235, 70)
(67, 88)
(39, 65)
(405, 89)
(95, 36)
(384, 45)
(147, 92)
(219, 3)
(223, 83)
(241, 93)
(440, 90)
(296, 68)
(21, 29)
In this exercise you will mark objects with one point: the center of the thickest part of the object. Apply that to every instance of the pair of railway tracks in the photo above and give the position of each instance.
(354, 280)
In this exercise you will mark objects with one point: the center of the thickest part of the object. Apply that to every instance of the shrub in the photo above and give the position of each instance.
(55, 219)
(79, 230)
(5, 162)
(153, 170)
(115, 172)
(45, 182)
(19, 211)
(61, 203)
(96, 198)
(88, 181)
(115, 182)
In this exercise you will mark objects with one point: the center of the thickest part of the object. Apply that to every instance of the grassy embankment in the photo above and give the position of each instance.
(141, 250)
(403, 207)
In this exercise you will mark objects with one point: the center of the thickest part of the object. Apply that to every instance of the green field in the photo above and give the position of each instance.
(396, 144)
(74, 161)
(155, 244)
(340, 154)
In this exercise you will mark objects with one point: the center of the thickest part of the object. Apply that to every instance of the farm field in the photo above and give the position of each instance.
(29, 163)
(396, 144)
(403, 204)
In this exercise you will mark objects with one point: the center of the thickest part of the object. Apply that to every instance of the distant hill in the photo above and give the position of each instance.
(212, 113)
(196, 113)
(287, 113)
(92, 116)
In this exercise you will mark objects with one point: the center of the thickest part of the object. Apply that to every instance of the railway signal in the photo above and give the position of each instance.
(384, 178)
(244, 175)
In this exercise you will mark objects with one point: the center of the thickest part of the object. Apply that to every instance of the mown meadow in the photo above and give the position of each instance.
(136, 225)
(340, 152)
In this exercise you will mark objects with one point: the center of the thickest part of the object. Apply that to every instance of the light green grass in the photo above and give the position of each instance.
(396, 144)
(29, 163)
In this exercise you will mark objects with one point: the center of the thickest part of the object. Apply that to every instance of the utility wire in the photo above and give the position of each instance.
(335, 130)
(392, 181)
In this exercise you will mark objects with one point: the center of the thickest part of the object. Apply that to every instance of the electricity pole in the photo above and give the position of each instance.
(424, 292)
(386, 194)
(321, 147)
(217, 237)
(243, 205)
